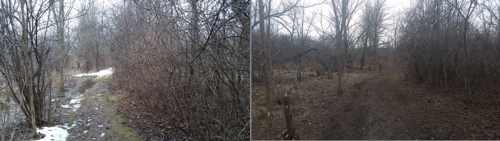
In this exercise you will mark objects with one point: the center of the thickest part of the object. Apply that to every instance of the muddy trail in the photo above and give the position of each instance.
(369, 114)
(98, 117)
(88, 110)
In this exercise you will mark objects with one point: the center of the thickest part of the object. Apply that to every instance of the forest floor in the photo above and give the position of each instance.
(374, 106)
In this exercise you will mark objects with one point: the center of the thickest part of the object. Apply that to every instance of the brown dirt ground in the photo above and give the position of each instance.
(374, 106)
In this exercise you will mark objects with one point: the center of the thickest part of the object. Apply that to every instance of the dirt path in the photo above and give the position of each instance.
(89, 111)
(368, 114)
(97, 117)
(382, 121)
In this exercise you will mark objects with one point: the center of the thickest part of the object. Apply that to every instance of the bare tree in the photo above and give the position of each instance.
(60, 33)
(299, 33)
(373, 18)
(90, 37)
(24, 56)
(465, 15)
(266, 66)
(28, 72)
(342, 15)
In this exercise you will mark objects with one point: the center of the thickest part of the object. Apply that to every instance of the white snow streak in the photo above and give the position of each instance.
(99, 74)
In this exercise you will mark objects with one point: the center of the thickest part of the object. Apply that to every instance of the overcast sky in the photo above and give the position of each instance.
(320, 12)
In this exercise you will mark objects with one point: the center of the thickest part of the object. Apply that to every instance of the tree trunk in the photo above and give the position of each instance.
(365, 45)
(444, 73)
(97, 58)
(28, 75)
(265, 71)
(300, 69)
(60, 31)
(342, 38)
(289, 133)
(194, 23)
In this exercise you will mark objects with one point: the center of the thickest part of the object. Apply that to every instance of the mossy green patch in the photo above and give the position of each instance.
(111, 97)
(100, 106)
(109, 103)
(122, 131)
(126, 133)
(71, 116)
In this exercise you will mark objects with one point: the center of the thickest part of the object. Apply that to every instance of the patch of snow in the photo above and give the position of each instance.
(55, 133)
(76, 100)
(74, 103)
(85, 132)
(99, 74)
(76, 107)
(102, 134)
(65, 106)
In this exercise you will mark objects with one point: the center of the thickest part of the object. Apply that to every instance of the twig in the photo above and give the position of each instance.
(12, 135)
(491, 136)
(243, 129)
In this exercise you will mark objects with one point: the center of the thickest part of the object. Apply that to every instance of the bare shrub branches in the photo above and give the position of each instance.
(193, 75)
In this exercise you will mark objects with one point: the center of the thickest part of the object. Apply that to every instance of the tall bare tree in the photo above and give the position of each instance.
(372, 27)
(342, 15)
(60, 34)
(28, 72)
(465, 9)
(266, 67)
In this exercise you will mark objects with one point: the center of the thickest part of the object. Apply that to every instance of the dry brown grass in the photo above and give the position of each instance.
(376, 106)
(311, 103)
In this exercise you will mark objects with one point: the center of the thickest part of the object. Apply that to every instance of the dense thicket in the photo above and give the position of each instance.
(186, 64)
(452, 44)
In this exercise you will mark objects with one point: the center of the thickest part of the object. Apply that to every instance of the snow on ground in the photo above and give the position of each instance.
(65, 106)
(99, 74)
(76, 100)
(74, 104)
(55, 133)
(60, 132)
